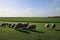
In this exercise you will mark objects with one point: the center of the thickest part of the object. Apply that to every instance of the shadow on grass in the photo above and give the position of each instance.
(37, 31)
(56, 29)
(24, 31)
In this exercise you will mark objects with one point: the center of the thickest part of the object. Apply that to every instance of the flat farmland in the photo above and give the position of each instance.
(42, 33)
(30, 19)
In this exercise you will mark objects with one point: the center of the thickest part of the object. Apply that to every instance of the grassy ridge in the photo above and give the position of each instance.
(28, 19)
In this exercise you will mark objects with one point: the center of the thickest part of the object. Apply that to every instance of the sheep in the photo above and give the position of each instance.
(18, 25)
(12, 26)
(53, 25)
(4, 24)
(32, 27)
(46, 25)
(24, 25)
(21, 25)
(9, 25)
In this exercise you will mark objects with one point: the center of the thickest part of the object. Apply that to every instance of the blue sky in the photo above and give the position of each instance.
(29, 8)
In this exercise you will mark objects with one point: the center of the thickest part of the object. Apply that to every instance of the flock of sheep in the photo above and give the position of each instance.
(52, 25)
(26, 26)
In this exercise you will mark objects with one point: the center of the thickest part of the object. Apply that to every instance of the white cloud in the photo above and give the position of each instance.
(54, 12)
(41, 13)
(29, 10)
(58, 9)
(10, 12)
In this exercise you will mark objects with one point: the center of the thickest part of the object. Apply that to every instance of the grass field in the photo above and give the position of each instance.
(41, 34)
(31, 19)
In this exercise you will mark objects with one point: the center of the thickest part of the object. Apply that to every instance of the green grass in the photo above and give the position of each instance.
(42, 34)
(29, 19)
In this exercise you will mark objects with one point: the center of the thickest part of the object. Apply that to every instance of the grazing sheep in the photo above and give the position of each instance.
(53, 25)
(25, 24)
(9, 25)
(21, 25)
(32, 27)
(18, 25)
(12, 25)
(46, 25)
(4, 24)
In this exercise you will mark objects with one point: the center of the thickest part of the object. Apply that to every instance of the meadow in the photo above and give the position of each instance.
(30, 19)
(42, 33)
